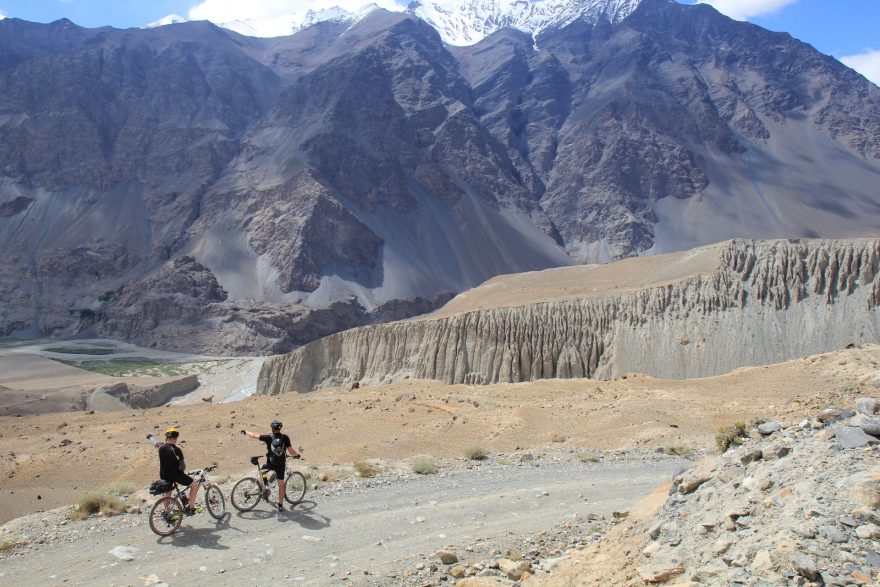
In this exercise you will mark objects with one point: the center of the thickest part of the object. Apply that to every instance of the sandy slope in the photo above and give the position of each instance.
(38, 472)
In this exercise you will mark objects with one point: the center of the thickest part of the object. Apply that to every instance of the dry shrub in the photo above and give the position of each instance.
(92, 503)
(121, 488)
(678, 450)
(588, 457)
(475, 452)
(424, 466)
(366, 469)
(730, 435)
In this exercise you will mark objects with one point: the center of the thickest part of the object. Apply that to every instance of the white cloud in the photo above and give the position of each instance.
(867, 64)
(2, 16)
(231, 10)
(746, 9)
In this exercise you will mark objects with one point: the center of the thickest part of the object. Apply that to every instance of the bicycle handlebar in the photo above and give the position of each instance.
(202, 470)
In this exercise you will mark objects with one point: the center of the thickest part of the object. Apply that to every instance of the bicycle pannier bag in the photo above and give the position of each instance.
(159, 487)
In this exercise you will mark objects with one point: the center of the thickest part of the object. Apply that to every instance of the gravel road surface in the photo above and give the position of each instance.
(366, 532)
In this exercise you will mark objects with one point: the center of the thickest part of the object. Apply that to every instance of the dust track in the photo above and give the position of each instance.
(358, 536)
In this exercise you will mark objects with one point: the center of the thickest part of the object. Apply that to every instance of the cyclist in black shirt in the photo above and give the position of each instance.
(172, 466)
(277, 448)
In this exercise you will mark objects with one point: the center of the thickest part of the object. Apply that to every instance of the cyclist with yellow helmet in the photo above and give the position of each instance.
(172, 466)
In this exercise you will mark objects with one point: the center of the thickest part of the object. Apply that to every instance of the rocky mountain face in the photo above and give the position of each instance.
(188, 187)
(782, 299)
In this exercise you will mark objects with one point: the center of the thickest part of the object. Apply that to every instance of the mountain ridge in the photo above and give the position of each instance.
(192, 154)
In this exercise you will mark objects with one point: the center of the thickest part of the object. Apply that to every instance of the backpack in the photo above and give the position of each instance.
(276, 449)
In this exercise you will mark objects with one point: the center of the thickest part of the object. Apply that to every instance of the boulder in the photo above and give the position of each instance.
(751, 456)
(690, 480)
(867, 424)
(805, 566)
(868, 532)
(514, 570)
(831, 415)
(852, 437)
(865, 489)
(768, 428)
(867, 406)
(833, 534)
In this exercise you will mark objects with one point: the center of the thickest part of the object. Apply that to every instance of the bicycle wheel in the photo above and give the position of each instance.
(166, 516)
(246, 494)
(215, 502)
(294, 487)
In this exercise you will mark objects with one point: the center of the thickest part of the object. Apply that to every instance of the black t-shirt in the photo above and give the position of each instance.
(267, 438)
(170, 457)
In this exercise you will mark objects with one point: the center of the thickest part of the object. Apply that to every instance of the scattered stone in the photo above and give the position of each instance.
(867, 424)
(868, 532)
(126, 553)
(721, 546)
(852, 437)
(762, 562)
(805, 566)
(751, 456)
(866, 489)
(651, 549)
(833, 534)
(832, 415)
(867, 406)
(661, 574)
(514, 569)
(768, 428)
(447, 557)
(691, 479)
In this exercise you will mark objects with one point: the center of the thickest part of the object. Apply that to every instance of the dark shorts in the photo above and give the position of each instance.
(180, 478)
(277, 467)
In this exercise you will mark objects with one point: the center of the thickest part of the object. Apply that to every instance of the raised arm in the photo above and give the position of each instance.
(250, 434)
(153, 440)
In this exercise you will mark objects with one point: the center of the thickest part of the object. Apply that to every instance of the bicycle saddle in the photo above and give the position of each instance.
(255, 460)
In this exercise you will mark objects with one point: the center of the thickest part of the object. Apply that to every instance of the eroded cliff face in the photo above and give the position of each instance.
(765, 302)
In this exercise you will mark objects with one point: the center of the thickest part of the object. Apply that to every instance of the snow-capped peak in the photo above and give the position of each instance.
(166, 20)
(283, 25)
(465, 22)
(459, 22)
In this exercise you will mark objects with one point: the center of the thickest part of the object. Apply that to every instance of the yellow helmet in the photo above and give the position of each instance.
(172, 432)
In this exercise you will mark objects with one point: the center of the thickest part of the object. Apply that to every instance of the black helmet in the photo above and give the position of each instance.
(275, 425)
(277, 447)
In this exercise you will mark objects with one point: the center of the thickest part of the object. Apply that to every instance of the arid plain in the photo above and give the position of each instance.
(49, 460)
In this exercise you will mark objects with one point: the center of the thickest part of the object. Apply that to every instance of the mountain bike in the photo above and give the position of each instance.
(246, 494)
(168, 512)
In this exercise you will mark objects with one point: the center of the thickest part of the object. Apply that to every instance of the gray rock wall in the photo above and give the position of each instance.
(768, 301)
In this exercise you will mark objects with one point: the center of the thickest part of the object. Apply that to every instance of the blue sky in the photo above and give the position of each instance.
(846, 29)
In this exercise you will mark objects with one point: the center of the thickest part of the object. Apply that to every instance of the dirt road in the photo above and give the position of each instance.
(360, 535)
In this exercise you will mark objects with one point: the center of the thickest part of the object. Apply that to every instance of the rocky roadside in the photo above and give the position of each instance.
(790, 504)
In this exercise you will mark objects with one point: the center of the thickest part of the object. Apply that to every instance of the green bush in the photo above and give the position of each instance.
(424, 466)
(729, 435)
(475, 452)
(365, 469)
